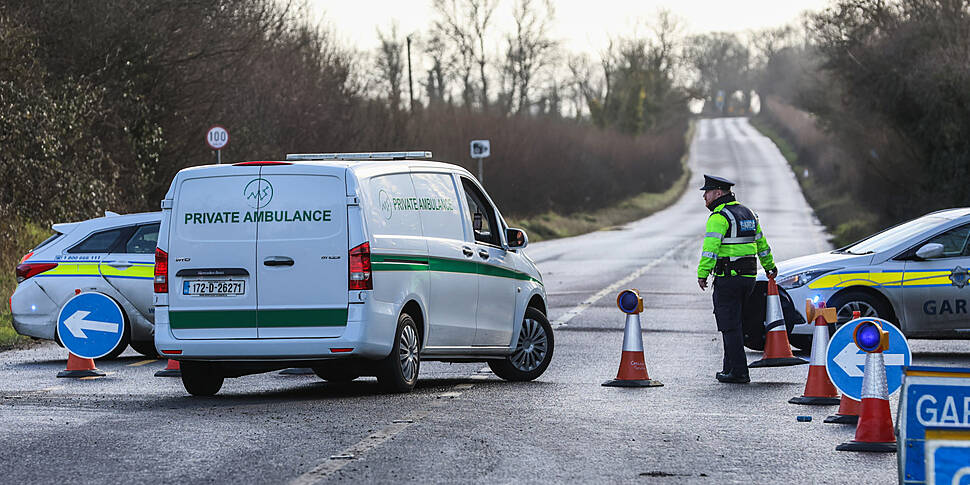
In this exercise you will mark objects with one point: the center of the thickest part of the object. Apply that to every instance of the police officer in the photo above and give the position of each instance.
(733, 238)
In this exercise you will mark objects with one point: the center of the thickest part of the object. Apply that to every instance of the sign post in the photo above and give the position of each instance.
(90, 325)
(481, 149)
(217, 137)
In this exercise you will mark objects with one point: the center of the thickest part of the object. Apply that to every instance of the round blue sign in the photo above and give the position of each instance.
(90, 325)
(845, 361)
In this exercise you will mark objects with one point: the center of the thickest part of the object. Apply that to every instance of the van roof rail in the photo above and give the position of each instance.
(359, 156)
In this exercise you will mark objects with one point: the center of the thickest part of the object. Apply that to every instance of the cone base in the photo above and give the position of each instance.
(297, 371)
(814, 401)
(633, 383)
(169, 373)
(842, 419)
(778, 362)
(81, 373)
(889, 447)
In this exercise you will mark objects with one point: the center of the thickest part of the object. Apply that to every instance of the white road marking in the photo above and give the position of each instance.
(575, 311)
(337, 461)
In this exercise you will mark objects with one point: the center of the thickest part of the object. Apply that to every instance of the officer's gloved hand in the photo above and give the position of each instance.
(702, 282)
(772, 273)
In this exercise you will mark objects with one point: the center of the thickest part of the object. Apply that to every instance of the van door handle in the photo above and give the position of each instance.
(483, 253)
(467, 251)
(278, 261)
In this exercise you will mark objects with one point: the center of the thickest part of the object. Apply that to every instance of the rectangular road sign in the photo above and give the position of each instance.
(948, 461)
(934, 404)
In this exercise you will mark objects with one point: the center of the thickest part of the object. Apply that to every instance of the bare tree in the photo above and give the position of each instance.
(390, 65)
(465, 23)
(529, 47)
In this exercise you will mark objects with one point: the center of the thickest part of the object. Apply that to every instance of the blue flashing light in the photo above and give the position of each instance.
(629, 301)
(870, 337)
(815, 299)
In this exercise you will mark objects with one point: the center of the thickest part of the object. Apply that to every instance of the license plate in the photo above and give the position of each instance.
(213, 287)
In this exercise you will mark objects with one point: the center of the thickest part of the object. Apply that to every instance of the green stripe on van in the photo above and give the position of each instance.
(184, 320)
(390, 262)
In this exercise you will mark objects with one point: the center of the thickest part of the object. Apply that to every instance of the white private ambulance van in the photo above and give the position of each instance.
(351, 264)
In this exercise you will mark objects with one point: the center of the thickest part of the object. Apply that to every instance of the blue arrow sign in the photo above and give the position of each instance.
(845, 362)
(90, 325)
(948, 462)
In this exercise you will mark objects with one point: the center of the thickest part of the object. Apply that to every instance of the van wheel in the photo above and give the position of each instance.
(532, 353)
(200, 378)
(398, 372)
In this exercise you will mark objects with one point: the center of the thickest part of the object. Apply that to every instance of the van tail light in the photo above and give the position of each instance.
(360, 268)
(26, 270)
(161, 271)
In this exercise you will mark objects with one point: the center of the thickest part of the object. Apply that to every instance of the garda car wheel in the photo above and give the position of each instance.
(200, 378)
(533, 352)
(398, 372)
(845, 303)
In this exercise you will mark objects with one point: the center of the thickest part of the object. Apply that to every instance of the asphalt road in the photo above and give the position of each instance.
(463, 424)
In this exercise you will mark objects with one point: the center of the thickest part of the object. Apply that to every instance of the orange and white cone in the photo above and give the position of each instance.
(80, 367)
(777, 349)
(171, 370)
(819, 389)
(875, 429)
(849, 408)
(633, 369)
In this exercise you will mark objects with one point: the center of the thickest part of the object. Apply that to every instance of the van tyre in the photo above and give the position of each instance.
(333, 374)
(201, 378)
(533, 352)
(398, 372)
(146, 348)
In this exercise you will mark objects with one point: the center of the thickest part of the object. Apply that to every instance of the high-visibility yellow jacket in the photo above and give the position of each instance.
(733, 237)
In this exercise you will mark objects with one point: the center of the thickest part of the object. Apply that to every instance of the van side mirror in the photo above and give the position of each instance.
(516, 238)
(930, 251)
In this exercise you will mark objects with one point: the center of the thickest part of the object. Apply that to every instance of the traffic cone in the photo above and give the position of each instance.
(875, 429)
(849, 408)
(633, 369)
(777, 349)
(819, 389)
(171, 370)
(80, 367)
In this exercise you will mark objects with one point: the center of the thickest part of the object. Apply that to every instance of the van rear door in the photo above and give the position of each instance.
(212, 253)
(302, 252)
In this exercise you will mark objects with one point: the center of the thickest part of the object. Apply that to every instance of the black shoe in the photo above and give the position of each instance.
(733, 378)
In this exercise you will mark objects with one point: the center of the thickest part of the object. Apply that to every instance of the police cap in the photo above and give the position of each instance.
(714, 183)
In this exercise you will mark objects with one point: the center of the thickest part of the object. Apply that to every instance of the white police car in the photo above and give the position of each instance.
(913, 274)
(112, 255)
(351, 264)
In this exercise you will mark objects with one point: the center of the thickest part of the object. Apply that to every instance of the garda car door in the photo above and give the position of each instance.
(936, 289)
(496, 286)
(130, 268)
(301, 252)
(451, 260)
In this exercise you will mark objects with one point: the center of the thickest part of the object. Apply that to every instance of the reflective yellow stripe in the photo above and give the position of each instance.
(146, 271)
(891, 278)
(73, 269)
(928, 278)
(133, 271)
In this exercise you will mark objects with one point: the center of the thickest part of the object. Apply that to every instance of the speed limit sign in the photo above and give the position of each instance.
(217, 137)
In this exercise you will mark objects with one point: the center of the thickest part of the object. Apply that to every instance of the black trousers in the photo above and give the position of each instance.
(730, 293)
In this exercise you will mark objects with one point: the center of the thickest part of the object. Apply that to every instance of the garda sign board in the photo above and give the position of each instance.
(90, 325)
(845, 361)
(948, 462)
(481, 148)
(934, 405)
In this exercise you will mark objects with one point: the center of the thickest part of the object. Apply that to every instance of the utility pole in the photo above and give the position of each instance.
(410, 81)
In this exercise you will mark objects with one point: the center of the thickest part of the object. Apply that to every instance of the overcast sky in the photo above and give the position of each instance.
(581, 25)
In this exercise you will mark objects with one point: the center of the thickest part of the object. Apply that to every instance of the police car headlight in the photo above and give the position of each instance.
(801, 279)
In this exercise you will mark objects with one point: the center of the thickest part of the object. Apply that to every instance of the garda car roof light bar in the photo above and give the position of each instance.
(360, 156)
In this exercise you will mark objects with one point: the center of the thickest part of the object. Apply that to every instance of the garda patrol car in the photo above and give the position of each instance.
(913, 274)
(112, 255)
(351, 264)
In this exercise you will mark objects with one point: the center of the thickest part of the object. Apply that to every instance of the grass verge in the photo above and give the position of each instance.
(551, 225)
(19, 237)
